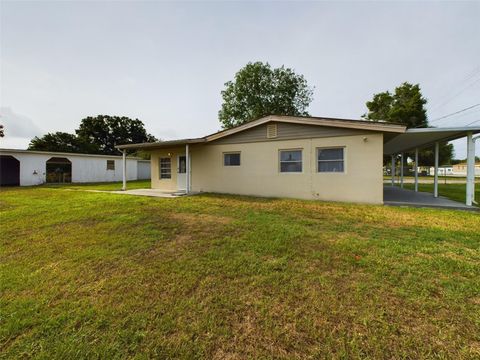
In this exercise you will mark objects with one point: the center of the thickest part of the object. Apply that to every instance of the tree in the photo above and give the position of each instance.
(61, 142)
(105, 132)
(406, 106)
(258, 90)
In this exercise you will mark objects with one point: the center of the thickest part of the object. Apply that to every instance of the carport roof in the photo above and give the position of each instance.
(413, 138)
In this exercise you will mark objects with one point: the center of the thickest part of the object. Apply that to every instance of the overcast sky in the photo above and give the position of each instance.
(166, 63)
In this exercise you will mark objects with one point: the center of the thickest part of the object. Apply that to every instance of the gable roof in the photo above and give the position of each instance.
(309, 120)
(319, 121)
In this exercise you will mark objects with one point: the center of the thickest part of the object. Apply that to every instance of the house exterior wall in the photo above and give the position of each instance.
(259, 175)
(84, 168)
(165, 184)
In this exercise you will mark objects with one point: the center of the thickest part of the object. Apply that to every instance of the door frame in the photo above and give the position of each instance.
(181, 174)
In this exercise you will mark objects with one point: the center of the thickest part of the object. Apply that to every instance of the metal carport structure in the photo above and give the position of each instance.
(416, 139)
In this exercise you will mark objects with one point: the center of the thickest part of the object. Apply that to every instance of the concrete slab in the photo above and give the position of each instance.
(151, 193)
(396, 196)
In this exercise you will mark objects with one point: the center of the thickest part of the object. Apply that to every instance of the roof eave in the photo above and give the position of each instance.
(160, 144)
(340, 123)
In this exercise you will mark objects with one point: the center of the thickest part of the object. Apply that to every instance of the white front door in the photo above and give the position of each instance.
(182, 172)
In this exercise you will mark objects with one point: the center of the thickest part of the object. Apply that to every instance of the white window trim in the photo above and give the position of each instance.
(231, 152)
(280, 162)
(331, 172)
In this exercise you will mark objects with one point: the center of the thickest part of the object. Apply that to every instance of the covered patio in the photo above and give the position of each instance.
(396, 196)
(414, 140)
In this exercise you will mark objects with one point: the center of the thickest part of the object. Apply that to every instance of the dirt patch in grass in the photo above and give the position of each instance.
(193, 220)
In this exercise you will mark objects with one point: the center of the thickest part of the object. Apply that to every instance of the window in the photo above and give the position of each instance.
(182, 164)
(110, 164)
(165, 168)
(231, 159)
(290, 161)
(330, 160)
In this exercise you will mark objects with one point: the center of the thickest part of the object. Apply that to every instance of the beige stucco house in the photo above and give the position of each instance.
(279, 156)
(296, 157)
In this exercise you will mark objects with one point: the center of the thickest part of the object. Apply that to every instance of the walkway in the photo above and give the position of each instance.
(139, 192)
(396, 196)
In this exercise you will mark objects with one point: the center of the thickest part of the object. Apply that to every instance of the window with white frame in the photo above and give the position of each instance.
(330, 160)
(110, 164)
(231, 159)
(165, 166)
(290, 161)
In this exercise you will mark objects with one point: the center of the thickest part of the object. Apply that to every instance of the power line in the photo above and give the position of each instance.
(455, 113)
(447, 98)
(457, 94)
(473, 122)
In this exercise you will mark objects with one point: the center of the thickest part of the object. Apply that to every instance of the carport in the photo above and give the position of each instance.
(417, 139)
(9, 171)
(59, 170)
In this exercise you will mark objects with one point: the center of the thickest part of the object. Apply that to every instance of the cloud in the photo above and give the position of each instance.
(16, 125)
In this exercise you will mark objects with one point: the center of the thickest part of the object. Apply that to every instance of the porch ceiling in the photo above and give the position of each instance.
(424, 137)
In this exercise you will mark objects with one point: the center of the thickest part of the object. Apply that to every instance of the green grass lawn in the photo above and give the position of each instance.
(98, 275)
(109, 186)
(455, 192)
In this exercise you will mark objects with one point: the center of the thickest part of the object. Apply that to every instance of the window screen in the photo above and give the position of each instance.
(291, 161)
(330, 160)
(110, 164)
(231, 159)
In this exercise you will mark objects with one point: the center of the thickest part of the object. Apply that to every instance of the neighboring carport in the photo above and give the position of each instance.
(9, 171)
(59, 170)
(417, 139)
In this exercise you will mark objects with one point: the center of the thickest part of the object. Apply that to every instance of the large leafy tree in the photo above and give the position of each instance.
(258, 90)
(105, 132)
(406, 105)
(61, 142)
(95, 135)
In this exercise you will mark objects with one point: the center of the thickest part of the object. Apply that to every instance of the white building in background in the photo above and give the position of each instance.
(461, 169)
(442, 170)
(26, 168)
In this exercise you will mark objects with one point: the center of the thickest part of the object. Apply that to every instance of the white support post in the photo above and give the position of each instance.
(124, 169)
(470, 169)
(416, 169)
(401, 170)
(187, 167)
(393, 170)
(435, 179)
